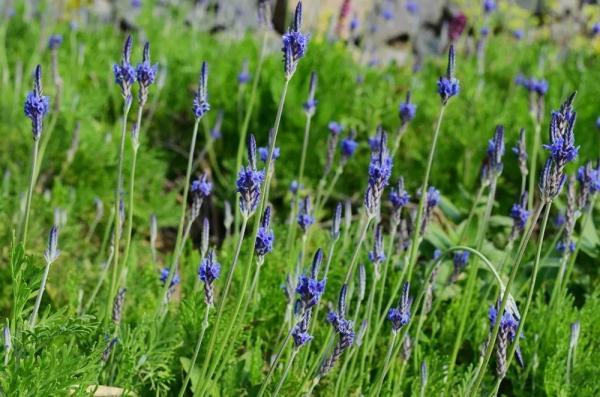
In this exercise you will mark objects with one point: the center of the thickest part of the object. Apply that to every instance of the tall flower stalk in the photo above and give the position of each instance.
(200, 107)
(125, 76)
(36, 107)
(294, 48)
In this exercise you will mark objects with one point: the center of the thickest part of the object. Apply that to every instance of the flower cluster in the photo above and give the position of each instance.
(311, 103)
(460, 260)
(520, 149)
(244, 75)
(400, 316)
(309, 287)
(294, 44)
(263, 153)
(208, 272)
(377, 256)
(519, 215)
(164, 275)
(432, 199)
(200, 189)
(380, 171)
(343, 328)
(36, 105)
(265, 237)
(492, 164)
(145, 74)
(249, 182)
(124, 72)
(407, 110)
(562, 150)
(305, 219)
(509, 323)
(448, 86)
(55, 41)
(200, 105)
(399, 197)
(348, 146)
(589, 183)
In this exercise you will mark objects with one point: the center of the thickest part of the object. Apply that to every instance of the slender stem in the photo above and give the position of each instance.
(40, 294)
(354, 259)
(179, 242)
(399, 135)
(291, 229)
(285, 372)
(323, 199)
(467, 297)
(34, 156)
(505, 296)
(117, 213)
(265, 383)
(222, 301)
(196, 351)
(386, 363)
(263, 201)
(92, 297)
(587, 218)
(249, 108)
(416, 240)
(387, 264)
(536, 268)
(533, 165)
(131, 189)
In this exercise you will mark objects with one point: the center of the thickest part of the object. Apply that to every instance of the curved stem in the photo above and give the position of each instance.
(196, 351)
(505, 296)
(40, 294)
(536, 268)
(34, 157)
(467, 297)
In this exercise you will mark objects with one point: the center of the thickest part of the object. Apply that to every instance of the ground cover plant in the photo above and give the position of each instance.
(207, 206)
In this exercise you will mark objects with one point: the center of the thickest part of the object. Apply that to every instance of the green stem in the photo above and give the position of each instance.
(386, 363)
(285, 372)
(467, 297)
(117, 213)
(263, 201)
(40, 294)
(265, 383)
(246, 124)
(505, 296)
(196, 351)
(179, 240)
(354, 259)
(34, 157)
(132, 189)
(222, 301)
(533, 163)
(536, 269)
(416, 240)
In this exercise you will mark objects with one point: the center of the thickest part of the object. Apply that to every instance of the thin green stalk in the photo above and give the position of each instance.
(265, 383)
(179, 240)
(321, 200)
(291, 230)
(222, 301)
(263, 201)
(246, 124)
(416, 240)
(117, 213)
(34, 157)
(285, 372)
(505, 296)
(135, 147)
(40, 294)
(533, 164)
(386, 363)
(467, 297)
(103, 274)
(399, 135)
(196, 351)
(45, 139)
(354, 259)
(587, 218)
(387, 264)
(536, 268)
(365, 351)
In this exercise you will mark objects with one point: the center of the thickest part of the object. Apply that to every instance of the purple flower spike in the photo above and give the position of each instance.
(265, 237)
(343, 328)
(55, 41)
(145, 74)
(124, 72)
(380, 171)
(164, 274)
(244, 75)
(36, 105)
(294, 44)
(305, 219)
(208, 272)
(400, 316)
(200, 104)
(448, 85)
(407, 110)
